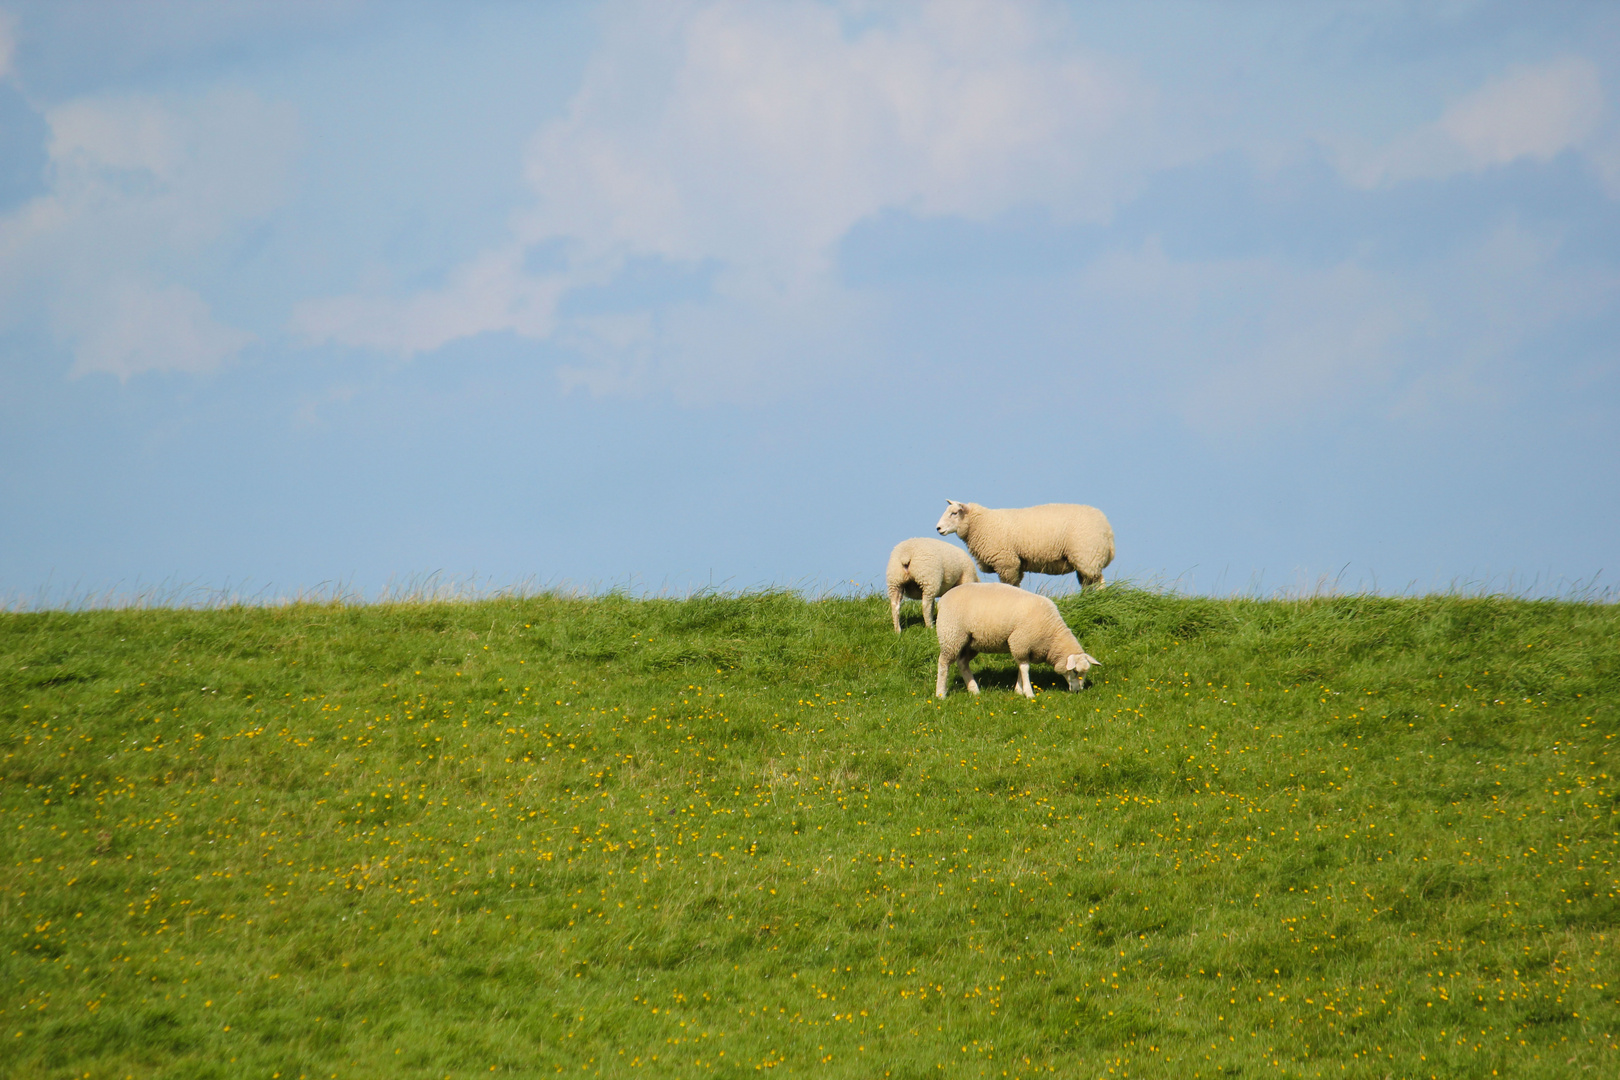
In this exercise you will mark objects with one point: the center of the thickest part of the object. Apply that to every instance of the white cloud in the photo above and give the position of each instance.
(1606, 155)
(136, 327)
(769, 130)
(141, 191)
(1535, 112)
(1248, 345)
(751, 138)
(1532, 112)
(740, 348)
(1489, 303)
(490, 293)
(8, 43)
(192, 169)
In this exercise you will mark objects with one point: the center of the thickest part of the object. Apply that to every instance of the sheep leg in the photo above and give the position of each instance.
(1089, 583)
(894, 607)
(1025, 687)
(967, 673)
(1010, 574)
(928, 608)
(944, 674)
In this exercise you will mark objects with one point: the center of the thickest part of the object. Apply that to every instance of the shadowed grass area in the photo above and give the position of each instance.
(1337, 837)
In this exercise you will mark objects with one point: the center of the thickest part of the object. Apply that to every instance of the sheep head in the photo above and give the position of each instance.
(951, 521)
(1074, 668)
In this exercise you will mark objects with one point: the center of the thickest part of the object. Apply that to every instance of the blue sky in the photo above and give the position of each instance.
(671, 294)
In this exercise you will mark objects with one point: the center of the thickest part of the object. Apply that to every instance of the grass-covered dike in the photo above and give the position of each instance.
(735, 834)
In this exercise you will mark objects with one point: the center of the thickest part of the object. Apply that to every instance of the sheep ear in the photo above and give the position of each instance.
(1092, 660)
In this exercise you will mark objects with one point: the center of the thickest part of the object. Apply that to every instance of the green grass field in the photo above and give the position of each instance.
(733, 834)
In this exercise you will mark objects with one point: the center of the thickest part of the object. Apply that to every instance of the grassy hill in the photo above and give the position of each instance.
(1335, 837)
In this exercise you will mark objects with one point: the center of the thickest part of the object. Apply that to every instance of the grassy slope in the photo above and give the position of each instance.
(1357, 837)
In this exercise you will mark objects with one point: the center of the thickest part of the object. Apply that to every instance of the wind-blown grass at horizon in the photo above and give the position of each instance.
(1338, 837)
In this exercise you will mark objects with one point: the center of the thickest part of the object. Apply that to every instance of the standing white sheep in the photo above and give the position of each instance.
(991, 617)
(1053, 539)
(924, 569)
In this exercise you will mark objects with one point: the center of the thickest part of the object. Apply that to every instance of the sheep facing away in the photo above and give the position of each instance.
(925, 569)
(991, 617)
(1053, 539)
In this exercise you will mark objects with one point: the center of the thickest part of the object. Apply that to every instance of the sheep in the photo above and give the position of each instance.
(1051, 539)
(992, 617)
(924, 569)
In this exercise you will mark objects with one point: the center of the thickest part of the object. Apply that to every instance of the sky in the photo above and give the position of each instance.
(348, 296)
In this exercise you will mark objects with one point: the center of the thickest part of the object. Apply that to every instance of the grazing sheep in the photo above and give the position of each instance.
(924, 569)
(1053, 539)
(990, 617)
